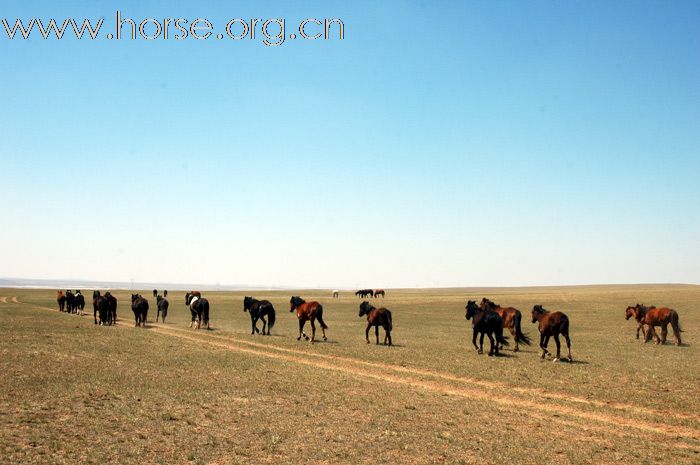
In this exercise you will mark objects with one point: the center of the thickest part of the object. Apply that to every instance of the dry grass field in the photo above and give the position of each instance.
(72, 392)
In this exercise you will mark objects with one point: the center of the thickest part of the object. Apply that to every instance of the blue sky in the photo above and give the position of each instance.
(438, 144)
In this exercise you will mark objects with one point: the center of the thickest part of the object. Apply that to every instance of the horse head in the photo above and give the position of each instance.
(471, 309)
(365, 308)
(247, 303)
(294, 302)
(537, 312)
(631, 312)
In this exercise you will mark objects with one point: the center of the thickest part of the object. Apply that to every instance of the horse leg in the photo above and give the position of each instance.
(369, 326)
(473, 340)
(664, 333)
(556, 340)
(651, 332)
(376, 333)
(568, 345)
(491, 348)
(512, 333)
(302, 322)
(262, 318)
(481, 343)
(253, 324)
(313, 330)
(544, 340)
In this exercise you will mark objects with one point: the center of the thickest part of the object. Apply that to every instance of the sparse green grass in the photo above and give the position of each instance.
(71, 392)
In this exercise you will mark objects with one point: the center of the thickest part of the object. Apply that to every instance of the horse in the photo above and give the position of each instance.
(155, 293)
(638, 312)
(96, 301)
(379, 291)
(335, 294)
(139, 306)
(70, 301)
(162, 304)
(258, 309)
(61, 299)
(362, 293)
(308, 311)
(165, 293)
(199, 308)
(659, 317)
(512, 319)
(377, 317)
(79, 303)
(487, 323)
(112, 306)
(552, 324)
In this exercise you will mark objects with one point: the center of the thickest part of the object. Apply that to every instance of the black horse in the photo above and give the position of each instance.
(79, 303)
(199, 307)
(362, 293)
(165, 293)
(112, 306)
(163, 305)
(155, 292)
(70, 301)
(139, 306)
(96, 301)
(258, 310)
(488, 323)
(377, 317)
(102, 307)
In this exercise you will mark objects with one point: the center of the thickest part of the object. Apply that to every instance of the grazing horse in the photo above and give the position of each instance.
(308, 311)
(512, 319)
(335, 294)
(259, 309)
(155, 293)
(162, 304)
(112, 306)
(362, 293)
(379, 291)
(638, 312)
(139, 306)
(61, 299)
(377, 317)
(552, 324)
(487, 323)
(664, 316)
(199, 308)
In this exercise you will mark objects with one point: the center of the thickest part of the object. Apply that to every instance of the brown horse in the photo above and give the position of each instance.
(638, 312)
(379, 291)
(552, 324)
(512, 319)
(659, 317)
(377, 317)
(61, 299)
(308, 311)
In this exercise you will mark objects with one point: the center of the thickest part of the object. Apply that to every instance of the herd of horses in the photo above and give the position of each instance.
(488, 318)
(362, 293)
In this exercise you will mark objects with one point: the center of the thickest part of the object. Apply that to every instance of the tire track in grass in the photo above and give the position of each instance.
(608, 423)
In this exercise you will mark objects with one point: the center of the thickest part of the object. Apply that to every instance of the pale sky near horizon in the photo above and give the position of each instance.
(471, 143)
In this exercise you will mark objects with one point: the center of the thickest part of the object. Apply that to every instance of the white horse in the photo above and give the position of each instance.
(336, 293)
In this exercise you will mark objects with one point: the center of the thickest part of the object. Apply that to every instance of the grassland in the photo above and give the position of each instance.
(71, 392)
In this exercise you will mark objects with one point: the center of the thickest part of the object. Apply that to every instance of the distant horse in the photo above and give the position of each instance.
(512, 319)
(112, 306)
(155, 293)
(379, 291)
(61, 299)
(638, 312)
(377, 317)
(165, 293)
(552, 324)
(139, 306)
(488, 323)
(102, 307)
(162, 304)
(308, 311)
(79, 303)
(660, 317)
(70, 301)
(199, 308)
(336, 294)
(96, 302)
(259, 309)
(362, 293)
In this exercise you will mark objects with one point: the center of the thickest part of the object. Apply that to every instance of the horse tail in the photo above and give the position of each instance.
(271, 318)
(389, 320)
(319, 316)
(520, 337)
(675, 321)
(500, 337)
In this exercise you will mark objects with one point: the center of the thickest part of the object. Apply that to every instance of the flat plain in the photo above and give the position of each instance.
(73, 392)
